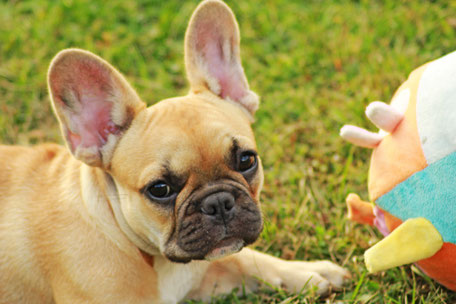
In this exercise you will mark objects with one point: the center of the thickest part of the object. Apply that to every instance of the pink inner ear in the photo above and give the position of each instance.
(83, 89)
(93, 124)
(226, 68)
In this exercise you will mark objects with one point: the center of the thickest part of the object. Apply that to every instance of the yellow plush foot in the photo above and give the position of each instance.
(415, 239)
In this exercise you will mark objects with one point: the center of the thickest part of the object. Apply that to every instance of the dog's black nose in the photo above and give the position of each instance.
(218, 204)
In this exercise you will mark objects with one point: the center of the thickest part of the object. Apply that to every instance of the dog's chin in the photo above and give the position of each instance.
(223, 248)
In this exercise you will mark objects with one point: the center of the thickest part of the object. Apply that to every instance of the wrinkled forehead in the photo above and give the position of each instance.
(198, 117)
(179, 135)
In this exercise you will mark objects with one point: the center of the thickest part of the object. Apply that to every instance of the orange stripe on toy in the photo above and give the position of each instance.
(392, 222)
(442, 266)
(399, 155)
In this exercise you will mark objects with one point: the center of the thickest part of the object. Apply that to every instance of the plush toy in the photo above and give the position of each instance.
(412, 175)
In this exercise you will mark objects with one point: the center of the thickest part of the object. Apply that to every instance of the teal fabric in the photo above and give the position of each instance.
(429, 193)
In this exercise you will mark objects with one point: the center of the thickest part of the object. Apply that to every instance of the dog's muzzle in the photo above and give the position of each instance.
(215, 222)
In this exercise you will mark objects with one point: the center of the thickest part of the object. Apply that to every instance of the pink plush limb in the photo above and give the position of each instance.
(360, 137)
(384, 116)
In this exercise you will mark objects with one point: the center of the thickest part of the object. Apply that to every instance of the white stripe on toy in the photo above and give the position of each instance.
(360, 137)
(384, 116)
(436, 108)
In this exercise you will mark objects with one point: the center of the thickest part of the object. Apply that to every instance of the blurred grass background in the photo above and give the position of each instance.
(316, 64)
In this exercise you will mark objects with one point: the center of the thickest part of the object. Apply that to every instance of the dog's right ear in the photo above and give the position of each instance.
(93, 102)
(212, 55)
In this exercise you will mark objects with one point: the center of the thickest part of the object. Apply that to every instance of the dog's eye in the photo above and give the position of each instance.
(247, 160)
(159, 190)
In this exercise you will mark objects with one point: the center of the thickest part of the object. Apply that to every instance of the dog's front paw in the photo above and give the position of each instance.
(322, 275)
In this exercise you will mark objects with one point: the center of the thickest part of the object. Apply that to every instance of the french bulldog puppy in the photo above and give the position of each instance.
(146, 204)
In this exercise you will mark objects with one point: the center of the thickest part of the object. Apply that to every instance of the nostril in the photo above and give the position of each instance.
(228, 203)
(209, 208)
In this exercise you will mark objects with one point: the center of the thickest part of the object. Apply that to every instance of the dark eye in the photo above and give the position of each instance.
(247, 160)
(159, 190)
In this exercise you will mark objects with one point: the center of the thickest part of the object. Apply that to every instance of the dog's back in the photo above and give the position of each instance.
(46, 234)
(24, 174)
(26, 171)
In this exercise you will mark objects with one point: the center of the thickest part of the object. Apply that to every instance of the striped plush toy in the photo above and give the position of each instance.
(412, 175)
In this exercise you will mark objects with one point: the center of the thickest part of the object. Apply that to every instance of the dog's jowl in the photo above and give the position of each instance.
(144, 204)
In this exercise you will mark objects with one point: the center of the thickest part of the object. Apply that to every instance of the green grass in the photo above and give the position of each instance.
(316, 65)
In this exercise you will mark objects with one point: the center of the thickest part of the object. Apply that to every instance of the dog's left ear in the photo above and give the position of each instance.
(212, 55)
(94, 103)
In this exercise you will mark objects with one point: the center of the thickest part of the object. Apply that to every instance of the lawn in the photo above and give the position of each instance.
(316, 65)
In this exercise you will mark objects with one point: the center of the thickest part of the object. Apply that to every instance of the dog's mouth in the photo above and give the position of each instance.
(223, 248)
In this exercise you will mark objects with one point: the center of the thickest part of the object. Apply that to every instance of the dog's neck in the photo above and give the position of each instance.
(102, 202)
